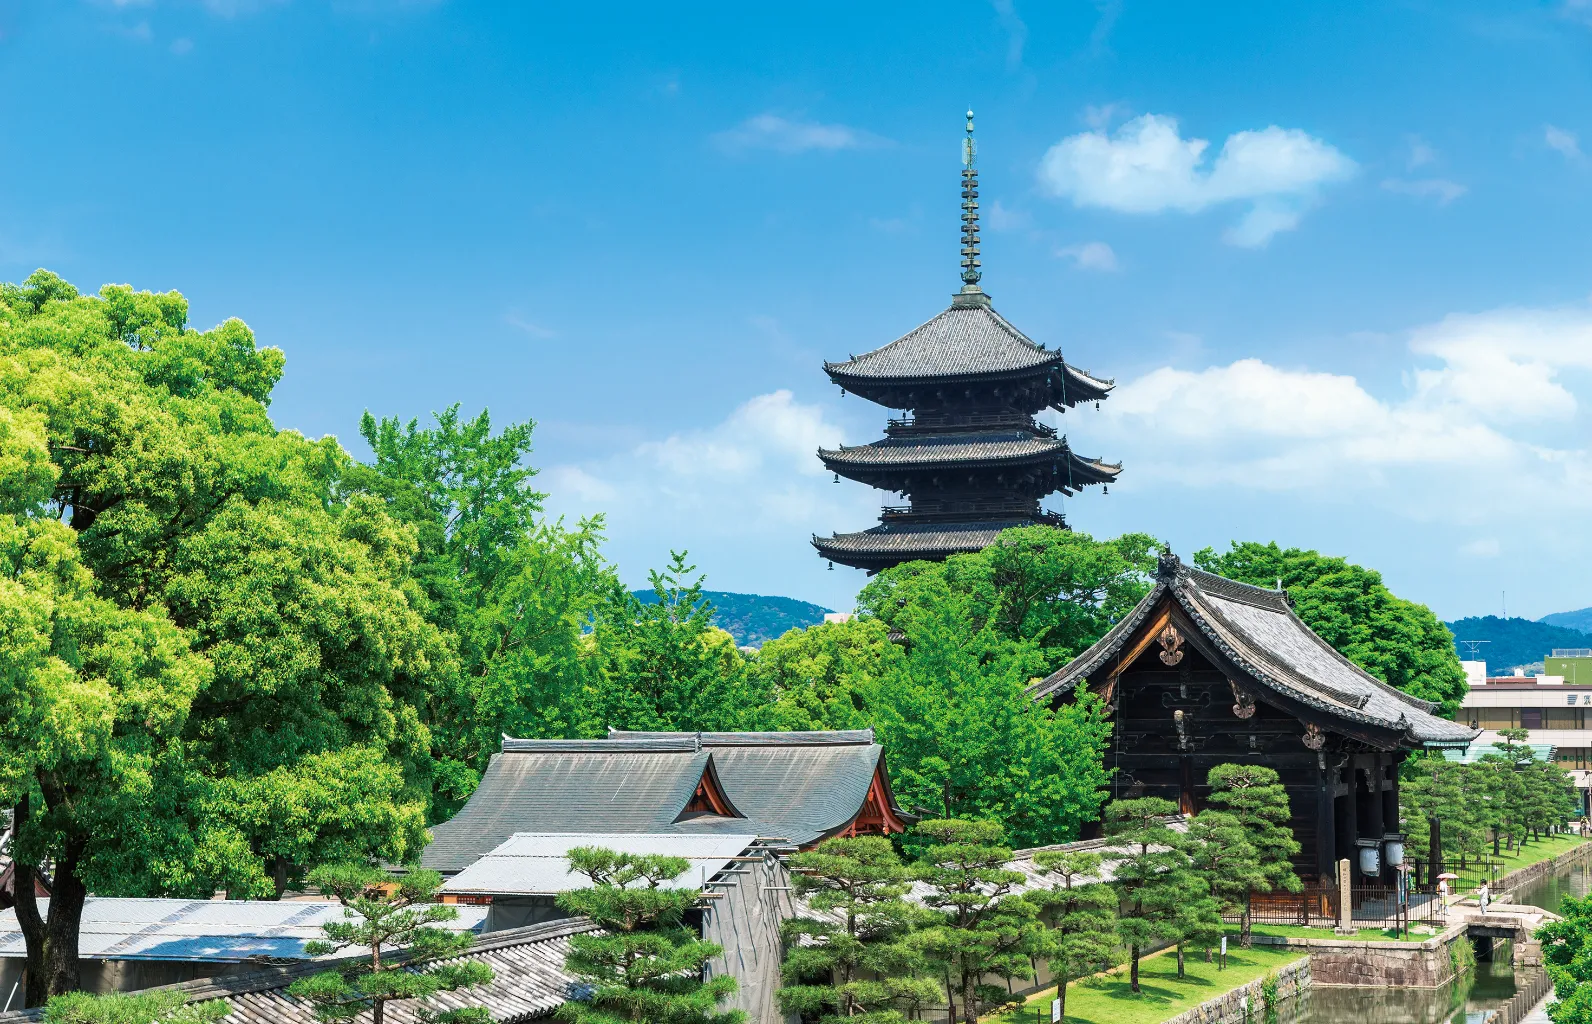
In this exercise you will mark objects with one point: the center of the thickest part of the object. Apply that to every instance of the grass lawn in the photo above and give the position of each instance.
(1293, 931)
(1508, 861)
(1107, 999)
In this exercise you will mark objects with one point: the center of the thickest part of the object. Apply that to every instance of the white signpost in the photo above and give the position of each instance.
(1055, 1011)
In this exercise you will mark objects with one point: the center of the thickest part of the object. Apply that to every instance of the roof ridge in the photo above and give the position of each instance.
(792, 738)
(655, 743)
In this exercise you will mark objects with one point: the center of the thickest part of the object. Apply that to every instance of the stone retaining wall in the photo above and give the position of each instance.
(1427, 964)
(1247, 1002)
(1532, 872)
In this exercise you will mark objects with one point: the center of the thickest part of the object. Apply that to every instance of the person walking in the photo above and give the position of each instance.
(1484, 896)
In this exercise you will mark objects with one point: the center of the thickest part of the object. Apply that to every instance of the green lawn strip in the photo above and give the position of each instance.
(1507, 861)
(1294, 931)
(1107, 999)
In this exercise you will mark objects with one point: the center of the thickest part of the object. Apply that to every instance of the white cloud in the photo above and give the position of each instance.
(1090, 256)
(181, 46)
(1481, 547)
(1440, 189)
(1148, 167)
(1000, 217)
(1420, 154)
(1563, 141)
(783, 135)
(1016, 31)
(1486, 410)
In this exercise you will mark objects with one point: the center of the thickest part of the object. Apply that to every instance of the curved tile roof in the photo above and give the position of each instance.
(962, 341)
(987, 447)
(918, 540)
(1257, 630)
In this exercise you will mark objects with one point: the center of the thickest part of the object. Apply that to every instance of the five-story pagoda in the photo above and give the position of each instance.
(969, 456)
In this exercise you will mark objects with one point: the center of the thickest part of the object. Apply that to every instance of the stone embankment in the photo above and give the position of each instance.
(1248, 1002)
(1542, 868)
(1430, 963)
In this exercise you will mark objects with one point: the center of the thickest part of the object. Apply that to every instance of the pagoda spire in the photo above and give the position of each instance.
(971, 293)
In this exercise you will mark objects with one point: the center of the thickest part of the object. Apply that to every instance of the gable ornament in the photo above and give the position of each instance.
(1171, 645)
(1314, 738)
(1244, 704)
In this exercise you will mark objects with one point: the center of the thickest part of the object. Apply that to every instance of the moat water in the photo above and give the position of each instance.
(1467, 1001)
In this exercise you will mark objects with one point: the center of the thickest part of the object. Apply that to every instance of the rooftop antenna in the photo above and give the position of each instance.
(971, 294)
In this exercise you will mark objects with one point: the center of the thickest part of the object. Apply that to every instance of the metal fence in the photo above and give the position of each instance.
(1316, 906)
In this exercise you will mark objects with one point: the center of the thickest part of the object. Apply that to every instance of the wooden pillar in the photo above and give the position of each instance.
(1375, 827)
(1349, 817)
(1326, 825)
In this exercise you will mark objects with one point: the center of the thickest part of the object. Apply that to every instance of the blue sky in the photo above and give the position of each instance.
(1335, 255)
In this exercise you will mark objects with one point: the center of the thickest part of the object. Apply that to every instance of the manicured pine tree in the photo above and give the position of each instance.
(1083, 916)
(1152, 878)
(395, 914)
(1255, 796)
(1226, 859)
(132, 1008)
(860, 945)
(648, 964)
(983, 929)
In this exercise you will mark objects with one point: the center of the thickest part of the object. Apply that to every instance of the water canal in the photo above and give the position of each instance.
(1468, 1001)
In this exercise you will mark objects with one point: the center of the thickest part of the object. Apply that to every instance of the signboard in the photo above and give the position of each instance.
(1055, 1011)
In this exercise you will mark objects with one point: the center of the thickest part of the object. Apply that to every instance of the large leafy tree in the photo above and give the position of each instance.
(963, 735)
(985, 929)
(1567, 957)
(646, 964)
(204, 613)
(855, 959)
(511, 590)
(822, 677)
(1398, 641)
(664, 666)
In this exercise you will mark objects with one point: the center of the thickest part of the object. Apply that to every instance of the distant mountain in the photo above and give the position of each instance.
(1580, 619)
(753, 618)
(1514, 641)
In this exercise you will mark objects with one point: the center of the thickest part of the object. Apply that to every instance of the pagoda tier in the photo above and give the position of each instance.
(1020, 462)
(967, 358)
(971, 459)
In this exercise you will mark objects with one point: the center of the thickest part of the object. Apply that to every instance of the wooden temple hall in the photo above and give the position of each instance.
(1206, 671)
(968, 455)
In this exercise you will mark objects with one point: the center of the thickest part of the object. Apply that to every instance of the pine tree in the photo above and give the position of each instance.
(154, 1007)
(1083, 915)
(1153, 877)
(872, 968)
(648, 964)
(395, 914)
(1226, 860)
(983, 929)
(1255, 796)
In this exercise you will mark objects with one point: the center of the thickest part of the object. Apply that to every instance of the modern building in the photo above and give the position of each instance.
(798, 787)
(968, 455)
(1573, 665)
(1207, 671)
(1556, 712)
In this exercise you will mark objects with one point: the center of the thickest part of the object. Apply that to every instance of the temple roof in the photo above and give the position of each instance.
(988, 448)
(794, 786)
(903, 542)
(966, 340)
(1256, 629)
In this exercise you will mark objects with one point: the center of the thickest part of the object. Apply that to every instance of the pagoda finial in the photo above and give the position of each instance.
(970, 263)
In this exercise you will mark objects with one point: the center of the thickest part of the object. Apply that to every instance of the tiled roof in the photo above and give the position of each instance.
(917, 540)
(537, 864)
(962, 341)
(527, 963)
(1013, 446)
(797, 786)
(1257, 630)
(227, 931)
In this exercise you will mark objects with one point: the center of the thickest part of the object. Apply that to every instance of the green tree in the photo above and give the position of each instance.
(647, 964)
(823, 677)
(1567, 957)
(1153, 879)
(1227, 861)
(964, 736)
(984, 928)
(1058, 590)
(1255, 796)
(663, 666)
(864, 966)
(139, 1008)
(1398, 641)
(205, 614)
(1082, 912)
(389, 914)
(1433, 809)
(511, 590)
